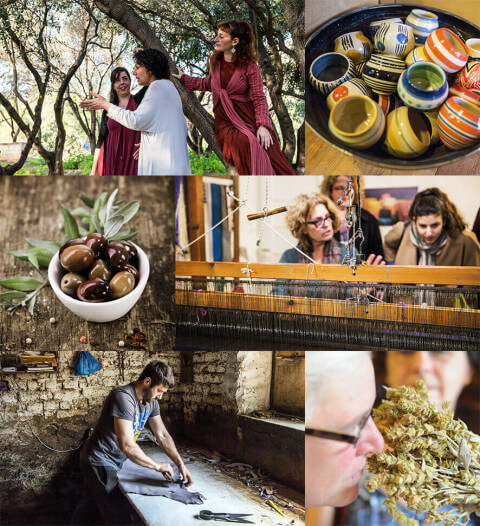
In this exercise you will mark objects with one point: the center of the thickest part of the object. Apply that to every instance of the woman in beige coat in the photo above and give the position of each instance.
(436, 235)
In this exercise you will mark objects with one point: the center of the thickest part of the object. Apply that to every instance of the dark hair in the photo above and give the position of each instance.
(435, 202)
(154, 61)
(113, 78)
(245, 49)
(160, 373)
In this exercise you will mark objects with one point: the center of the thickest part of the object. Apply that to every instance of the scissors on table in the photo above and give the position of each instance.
(207, 515)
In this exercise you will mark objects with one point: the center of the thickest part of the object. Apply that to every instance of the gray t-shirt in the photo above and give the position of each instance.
(102, 447)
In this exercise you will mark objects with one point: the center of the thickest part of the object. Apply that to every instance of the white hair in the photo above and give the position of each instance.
(322, 368)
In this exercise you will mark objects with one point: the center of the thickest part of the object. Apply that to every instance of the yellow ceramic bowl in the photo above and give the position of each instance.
(417, 55)
(433, 118)
(407, 134)
(357, 121)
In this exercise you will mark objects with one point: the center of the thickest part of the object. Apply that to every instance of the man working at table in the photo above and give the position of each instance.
(124, 414)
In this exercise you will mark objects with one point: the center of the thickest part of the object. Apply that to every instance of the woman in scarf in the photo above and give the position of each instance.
(436, 235)
(117, 155)
(163, 146)
(242, 125)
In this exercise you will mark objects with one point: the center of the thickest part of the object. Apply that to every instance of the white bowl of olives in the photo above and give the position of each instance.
(97, 280)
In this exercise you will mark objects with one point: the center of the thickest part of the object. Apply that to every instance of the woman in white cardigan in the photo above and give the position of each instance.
(159, 117)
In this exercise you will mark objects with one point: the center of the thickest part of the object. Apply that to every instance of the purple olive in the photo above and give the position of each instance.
(70, 283)
(133, 270)
(99, 269)
(97, 243)
(77, 258)
(71, 243)
(132, 250)
(122, 283)
(116, 255)
(94, 291)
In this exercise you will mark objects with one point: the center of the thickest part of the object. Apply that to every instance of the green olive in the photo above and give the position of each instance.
(70, 283)
(100, 270)
(122, 283)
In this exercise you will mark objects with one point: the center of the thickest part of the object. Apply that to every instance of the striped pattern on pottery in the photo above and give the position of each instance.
(423, 23)
(322, 64)
(394, 39)
(387, 103)
(381, 73)
(406, 134)
(352, 86)
(355, 46)
(417, 55)
(472, 96)
(459, 123)
(439, 49)
(469, 77)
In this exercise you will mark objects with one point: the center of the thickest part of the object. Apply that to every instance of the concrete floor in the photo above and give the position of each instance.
(223, 494)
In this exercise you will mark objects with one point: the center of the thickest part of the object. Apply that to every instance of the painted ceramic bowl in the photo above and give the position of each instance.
(351, 87)
(359, 68)
(329, 71)
(473, 46)
(387, 103)
(407, 133)
(459, 123)
(357, 121)
(416, 55)
(317, 111)
(381, 73)
(423, 86)
(446, 49)
(472, 96)
(373, 27)
(355, 46)
(394, 39)
(423, 23)
(469, 76)
(432, 117)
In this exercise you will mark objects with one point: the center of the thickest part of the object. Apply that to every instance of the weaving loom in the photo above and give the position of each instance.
(319, 306)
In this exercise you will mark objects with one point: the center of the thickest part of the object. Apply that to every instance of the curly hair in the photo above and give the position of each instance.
(113, 78)
(299, 211)
(245, 49)
(160, 373)
(435, 202)
(328, 182)
(154, 61)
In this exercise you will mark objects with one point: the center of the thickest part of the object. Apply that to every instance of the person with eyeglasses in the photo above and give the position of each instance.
(243, 126)
(339, 430)
(313, 219)
(446, 374)
(334, 186)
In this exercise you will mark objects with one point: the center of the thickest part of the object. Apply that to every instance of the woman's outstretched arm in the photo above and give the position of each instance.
(193, 83)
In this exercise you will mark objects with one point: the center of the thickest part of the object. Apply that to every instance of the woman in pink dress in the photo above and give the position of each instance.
(243, 127)
(115, 148)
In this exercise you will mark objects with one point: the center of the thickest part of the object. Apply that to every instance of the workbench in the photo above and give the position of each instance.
(31, 207)
(223, 494)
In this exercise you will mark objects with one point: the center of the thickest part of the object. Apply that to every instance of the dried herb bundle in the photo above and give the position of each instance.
(431, 459)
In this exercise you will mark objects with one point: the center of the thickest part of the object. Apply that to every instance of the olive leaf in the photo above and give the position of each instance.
(113, 225)
(124, 235)
(38, 243)
(15, 295)
(128, 211)
(71, 228)
(23, 283)
(43, 255)
(87, 200)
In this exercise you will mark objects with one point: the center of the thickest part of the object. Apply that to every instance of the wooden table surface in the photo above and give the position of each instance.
(30, 207)
(323, 159)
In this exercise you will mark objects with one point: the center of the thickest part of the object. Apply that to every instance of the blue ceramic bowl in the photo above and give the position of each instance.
(423, 86)
(329, 71)
(316, 109)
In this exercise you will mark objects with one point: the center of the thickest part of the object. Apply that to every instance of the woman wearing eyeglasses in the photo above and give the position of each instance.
(243, 127)
(313, 219)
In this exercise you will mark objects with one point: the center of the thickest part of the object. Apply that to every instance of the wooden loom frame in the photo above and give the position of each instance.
(385, 274)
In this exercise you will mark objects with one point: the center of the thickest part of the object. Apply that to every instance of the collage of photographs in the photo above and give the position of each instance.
(281, 325)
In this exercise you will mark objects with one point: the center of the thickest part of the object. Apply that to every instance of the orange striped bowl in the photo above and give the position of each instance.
(459, 123)
(472, 96)
(446, 49)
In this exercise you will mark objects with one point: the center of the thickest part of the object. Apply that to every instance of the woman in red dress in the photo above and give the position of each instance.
(242, 125)
(117, 155)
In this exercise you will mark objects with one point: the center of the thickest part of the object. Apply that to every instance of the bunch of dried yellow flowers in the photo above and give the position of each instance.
(431, 460)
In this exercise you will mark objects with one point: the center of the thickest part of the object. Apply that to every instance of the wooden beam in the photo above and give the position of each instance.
(196, 217)
(437, 316)
(467, 276)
